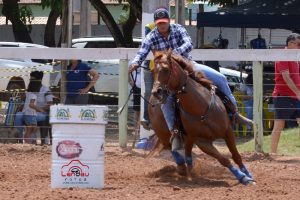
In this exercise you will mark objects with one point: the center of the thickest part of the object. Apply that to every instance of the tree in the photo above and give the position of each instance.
(122, 39)
(56, 11)
(11, 11)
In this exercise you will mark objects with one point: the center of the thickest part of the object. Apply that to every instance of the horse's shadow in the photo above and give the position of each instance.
(169, 175)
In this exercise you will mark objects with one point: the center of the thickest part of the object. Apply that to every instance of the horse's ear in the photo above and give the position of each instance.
(157, 55)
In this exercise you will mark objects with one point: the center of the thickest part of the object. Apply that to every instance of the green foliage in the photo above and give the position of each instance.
(26, 16)
(53, 4)
(289, 143)
(124, 15)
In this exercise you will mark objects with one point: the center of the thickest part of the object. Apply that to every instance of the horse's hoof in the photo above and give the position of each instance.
(247, 181)
(181, 169)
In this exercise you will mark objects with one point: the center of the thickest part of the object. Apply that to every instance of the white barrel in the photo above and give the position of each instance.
(78, 134)
(77, 173)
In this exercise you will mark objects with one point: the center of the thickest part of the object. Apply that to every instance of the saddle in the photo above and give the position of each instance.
(201, 79)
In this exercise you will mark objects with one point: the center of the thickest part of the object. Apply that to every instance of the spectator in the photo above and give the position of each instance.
(286, 94)
(135, 82)
(79, 83)
(148, 80)
(30, 109)
(247, 96)
(43, 101)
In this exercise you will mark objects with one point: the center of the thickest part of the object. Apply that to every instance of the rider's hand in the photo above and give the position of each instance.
(133, 67)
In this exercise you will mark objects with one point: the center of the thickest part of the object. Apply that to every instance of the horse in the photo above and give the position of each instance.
(160, 128)
(202, 112)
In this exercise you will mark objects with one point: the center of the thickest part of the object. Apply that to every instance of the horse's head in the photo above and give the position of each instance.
(161, 74)
(163, 66)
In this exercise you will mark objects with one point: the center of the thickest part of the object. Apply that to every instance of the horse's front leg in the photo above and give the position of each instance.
(179, 159)
(188, 146)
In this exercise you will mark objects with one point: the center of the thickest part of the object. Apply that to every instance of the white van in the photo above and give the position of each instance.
(233, 76)
(14, 73)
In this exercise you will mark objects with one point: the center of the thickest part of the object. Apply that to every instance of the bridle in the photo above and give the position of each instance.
(172, 72)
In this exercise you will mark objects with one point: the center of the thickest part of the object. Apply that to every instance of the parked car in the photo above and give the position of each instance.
(15, 72)
(233, 77)
(108, 69)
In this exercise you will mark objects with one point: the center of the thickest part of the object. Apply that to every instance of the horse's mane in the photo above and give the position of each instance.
(187, 65)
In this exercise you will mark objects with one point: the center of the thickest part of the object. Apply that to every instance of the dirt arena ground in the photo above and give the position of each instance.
(25, 174)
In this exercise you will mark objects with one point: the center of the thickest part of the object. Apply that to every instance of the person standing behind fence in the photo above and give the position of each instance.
(286, 94)
(148, 80)
(247, 96)
(30, 109)
(135, 82)
(79, 83)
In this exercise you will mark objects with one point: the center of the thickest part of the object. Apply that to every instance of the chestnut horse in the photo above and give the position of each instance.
(202, 113)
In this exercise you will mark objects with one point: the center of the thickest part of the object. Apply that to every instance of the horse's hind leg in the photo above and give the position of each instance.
(230, 141)
(208, 148)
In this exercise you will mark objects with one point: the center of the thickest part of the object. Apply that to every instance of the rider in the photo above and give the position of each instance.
(175, 36)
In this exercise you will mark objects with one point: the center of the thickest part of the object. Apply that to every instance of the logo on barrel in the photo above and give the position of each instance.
(75, 172)
(63, 114)
(87, 115)
(68, 149)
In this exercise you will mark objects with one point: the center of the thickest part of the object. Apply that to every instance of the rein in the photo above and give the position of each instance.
(182, 88)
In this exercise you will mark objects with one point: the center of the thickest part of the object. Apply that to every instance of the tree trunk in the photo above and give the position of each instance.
(128, 28)
(11, 11)
(109, 21)
(49, 35)
(136, 5)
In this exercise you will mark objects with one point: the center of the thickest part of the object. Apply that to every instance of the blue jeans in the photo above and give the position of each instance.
(19, 121)
(218, 80)
(249, 108)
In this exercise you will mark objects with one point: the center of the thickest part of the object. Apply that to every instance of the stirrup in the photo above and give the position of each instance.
(174, 133)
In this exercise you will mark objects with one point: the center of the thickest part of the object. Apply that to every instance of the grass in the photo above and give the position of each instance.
(289, 143)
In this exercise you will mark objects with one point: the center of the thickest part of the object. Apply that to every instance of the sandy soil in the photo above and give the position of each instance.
(25, 173)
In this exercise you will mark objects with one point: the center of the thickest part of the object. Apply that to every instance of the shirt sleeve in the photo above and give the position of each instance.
(85, 68)
(48, 95)
(187, 45)
(32, 96)
(143, 51)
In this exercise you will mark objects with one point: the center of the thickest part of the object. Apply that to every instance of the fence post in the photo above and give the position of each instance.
(258, 105)
(123, 94)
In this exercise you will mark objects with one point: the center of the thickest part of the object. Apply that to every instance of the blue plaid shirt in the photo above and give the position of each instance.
(178, 40)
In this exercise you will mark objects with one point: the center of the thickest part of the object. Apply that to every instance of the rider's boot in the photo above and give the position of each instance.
(240, 119)
(236, 116)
